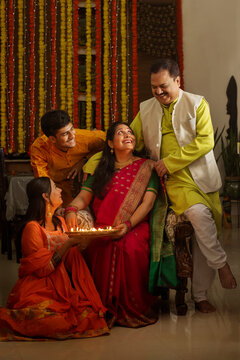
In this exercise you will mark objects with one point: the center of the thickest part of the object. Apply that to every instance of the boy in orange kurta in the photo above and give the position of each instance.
(62, 150)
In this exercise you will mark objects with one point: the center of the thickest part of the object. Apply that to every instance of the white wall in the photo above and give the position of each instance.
(211, 48)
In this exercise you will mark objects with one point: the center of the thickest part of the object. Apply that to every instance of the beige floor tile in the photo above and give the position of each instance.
(195, 336)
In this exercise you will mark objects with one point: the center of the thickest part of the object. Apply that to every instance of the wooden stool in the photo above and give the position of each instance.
(179, 230)
(183, 233)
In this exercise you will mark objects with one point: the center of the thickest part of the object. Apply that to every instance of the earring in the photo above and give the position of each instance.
(112, 151)
(49, 214)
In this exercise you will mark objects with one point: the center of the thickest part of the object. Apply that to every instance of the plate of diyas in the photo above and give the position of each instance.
(93, 232)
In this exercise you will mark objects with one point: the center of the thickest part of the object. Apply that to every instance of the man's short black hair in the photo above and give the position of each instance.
(54, 120)
(166, 64)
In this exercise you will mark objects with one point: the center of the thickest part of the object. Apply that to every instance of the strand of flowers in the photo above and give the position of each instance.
(63, 54)
(3, 75)
(110, 63)
(69, 59)
(123, 61)
(20, 79)
(114, 60)
(128, 63)
(26, 77)
(53, 54)
(106, 83)
(134, 58)
(75, 63)
(11, 111)
(88, 66)
(47, 75)
(98, 63)
(32, 69)
(41, 51)
(180, 39)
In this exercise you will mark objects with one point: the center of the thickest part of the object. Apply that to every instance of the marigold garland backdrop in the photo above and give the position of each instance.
(160, 30)
(79, 56)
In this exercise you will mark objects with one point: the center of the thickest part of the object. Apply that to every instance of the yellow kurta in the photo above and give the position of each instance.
(182, 190)
(48, 160)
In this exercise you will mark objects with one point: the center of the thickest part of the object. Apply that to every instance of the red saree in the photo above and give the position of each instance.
(43, 303)
(121, 268)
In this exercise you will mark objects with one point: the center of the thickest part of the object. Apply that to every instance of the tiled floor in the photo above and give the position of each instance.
(195, 336)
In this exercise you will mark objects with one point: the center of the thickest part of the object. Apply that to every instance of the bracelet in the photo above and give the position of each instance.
(129, 225)
(70, 209)
(56, 259)
(69, 212)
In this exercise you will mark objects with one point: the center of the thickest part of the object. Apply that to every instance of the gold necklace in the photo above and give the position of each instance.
(120, 165)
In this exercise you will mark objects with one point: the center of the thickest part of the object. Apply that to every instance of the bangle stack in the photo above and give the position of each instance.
(129, 225)
(70, 209)
(56, 259)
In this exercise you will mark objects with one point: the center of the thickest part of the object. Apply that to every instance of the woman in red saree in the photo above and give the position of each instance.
(125, 191)
(45, 302)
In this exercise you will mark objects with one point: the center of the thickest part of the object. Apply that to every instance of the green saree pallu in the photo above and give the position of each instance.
(162, 263)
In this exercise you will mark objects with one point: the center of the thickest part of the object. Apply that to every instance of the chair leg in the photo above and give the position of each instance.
(183, 233)
(3, 241)
(10, 247)
(164, 303)
(6, 240)
(9, 241)
(3, 234)
(181, 306)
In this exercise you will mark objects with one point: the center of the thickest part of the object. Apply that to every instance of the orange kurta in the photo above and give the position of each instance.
(48, 160)
(44, 303)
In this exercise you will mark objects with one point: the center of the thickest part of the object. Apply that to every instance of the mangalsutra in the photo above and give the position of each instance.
(120, 165)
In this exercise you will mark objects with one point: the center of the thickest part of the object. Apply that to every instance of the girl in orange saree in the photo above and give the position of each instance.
(45, 302)
(123, 198)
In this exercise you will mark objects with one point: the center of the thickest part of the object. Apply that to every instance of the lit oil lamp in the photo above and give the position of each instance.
(108, 228)
(97, 232)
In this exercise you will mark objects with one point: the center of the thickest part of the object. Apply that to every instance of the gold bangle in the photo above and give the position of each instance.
(129, 225)
(69, 211)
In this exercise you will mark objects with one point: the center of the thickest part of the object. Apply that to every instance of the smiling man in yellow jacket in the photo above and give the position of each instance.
(176, 129)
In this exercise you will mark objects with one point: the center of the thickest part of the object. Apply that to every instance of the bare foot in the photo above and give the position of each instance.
(204, 306)
(226, 277)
